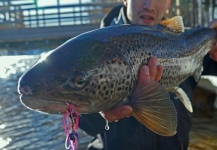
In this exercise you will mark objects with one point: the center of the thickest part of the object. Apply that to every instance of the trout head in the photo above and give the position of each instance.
(88, 74)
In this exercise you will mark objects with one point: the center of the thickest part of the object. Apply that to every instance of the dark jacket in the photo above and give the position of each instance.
(128, 133)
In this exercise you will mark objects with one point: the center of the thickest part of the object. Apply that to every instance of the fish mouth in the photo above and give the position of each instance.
(46, 105)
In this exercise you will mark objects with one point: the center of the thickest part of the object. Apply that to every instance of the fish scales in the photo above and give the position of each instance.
(98, 70)
(178, 53)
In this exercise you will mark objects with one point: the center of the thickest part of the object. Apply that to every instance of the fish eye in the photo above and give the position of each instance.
(79, 81)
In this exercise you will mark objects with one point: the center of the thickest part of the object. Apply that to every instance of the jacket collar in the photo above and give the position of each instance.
(121, 19)
(117, 16)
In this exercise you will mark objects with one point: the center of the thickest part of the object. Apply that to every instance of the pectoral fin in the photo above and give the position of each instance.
(153, 108)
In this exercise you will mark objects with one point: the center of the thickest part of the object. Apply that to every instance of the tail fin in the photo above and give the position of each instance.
(153, 108)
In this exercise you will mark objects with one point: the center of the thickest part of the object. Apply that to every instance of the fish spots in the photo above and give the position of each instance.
(109, 82)
(112, 85)
(86, 89)
(122, 71)
(123, 87)
(128, 76)
(93, 85)
(106, 92)
(149, 53)
(123, 81)
(104, 87)
(126, 88)
(127, 82)
(100, 76)
(93, 92)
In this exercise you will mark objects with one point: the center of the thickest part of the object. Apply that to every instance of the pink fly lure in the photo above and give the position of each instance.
(70, 124)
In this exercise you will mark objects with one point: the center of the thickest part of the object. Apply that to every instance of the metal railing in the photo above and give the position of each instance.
(29, 21)
(18, 16)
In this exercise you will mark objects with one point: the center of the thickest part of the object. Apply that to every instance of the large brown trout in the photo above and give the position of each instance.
(98, 70)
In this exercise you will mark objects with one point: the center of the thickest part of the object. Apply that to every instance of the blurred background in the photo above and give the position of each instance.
(28, 28)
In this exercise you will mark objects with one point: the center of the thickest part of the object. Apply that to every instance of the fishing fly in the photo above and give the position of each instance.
(70, 124)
